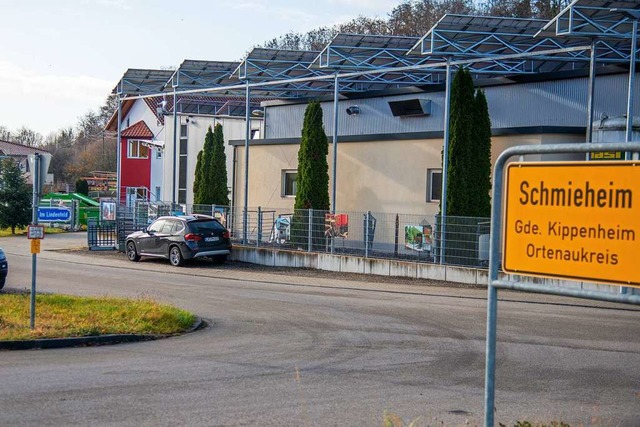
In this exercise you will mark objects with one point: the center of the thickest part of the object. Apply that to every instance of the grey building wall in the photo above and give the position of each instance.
(559, 103)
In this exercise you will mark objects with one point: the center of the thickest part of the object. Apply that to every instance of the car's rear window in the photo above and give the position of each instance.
(205, 226)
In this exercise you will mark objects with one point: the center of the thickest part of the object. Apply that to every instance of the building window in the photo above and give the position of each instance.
(434, 185)
(289, 185)
(255, 133)
(137, 150)
(182, 162)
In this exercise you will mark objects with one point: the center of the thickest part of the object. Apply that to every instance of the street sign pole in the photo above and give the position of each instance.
(34, 220)
(554, 197)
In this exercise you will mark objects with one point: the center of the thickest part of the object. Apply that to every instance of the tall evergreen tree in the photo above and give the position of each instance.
(197, 181)
(205, 185)
(15, 197)
(312, 180)
(480, 194)
(461, 136)
(218, 169)
(313, 169)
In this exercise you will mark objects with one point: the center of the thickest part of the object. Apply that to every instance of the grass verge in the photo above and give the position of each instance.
(6, 232)
(63, 316)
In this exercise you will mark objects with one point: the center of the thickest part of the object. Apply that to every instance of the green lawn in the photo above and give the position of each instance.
(70, 316)
(6, 232)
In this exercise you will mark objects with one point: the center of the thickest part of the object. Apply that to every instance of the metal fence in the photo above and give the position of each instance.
(420, 238)
(370, 234)
(101, 236)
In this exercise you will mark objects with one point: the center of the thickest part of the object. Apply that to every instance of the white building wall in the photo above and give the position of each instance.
(233, 128)
(545, 103)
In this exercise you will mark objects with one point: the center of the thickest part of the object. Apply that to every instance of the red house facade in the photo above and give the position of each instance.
(136, 161)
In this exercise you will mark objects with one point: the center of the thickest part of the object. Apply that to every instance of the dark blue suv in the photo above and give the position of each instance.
(180, 238)
(4, 268)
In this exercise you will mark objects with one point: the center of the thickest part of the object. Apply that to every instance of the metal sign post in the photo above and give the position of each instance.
(34, 221)
(571, 198)
(39, 166)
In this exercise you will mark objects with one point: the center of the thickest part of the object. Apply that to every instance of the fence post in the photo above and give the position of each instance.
(259, 226)
(366, 234)
(309, 236)
(395, 251)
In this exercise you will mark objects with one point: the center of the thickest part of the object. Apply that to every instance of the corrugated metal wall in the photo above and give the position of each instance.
(549, 103)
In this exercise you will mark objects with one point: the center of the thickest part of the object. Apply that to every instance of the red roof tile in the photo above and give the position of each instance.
(138, 130)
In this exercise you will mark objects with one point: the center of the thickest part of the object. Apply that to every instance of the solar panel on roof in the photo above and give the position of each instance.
(197, 74)
(141, 81)
(463, 36)
(593, 18)
(458, 37)
(364, 52)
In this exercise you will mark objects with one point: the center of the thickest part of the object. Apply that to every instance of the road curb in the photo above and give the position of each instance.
(94, 340)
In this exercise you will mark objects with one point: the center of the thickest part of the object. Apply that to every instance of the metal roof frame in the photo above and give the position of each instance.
(366, 51)
(488, 37)
(216, 105)
(594, 18)
(358, 51)
(137, 81)
(198, 73)
(287, 66)
(607, 23)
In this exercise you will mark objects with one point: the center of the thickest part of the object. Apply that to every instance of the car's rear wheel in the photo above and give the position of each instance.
(175, 256)
(132, 253)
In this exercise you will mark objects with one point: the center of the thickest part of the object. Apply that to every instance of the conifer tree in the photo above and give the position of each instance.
(218, 169)
(481, 156)
(313, 169)
(461, 135)
(468, 182)
(312, 180)
(15, 197)
(205, 184)
(197, 181)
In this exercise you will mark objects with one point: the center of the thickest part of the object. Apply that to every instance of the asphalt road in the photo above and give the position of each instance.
(283, 349)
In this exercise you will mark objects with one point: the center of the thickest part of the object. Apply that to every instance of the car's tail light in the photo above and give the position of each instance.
(192, 237)
(226, 234)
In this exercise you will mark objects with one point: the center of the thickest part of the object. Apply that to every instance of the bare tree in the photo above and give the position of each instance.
(320, 37)
(28, 137)
(415, 18)
(364, 25)
(5, 134)
(60, 145)
(548, 9)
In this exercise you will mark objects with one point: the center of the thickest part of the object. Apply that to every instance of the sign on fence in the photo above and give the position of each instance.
(573, 220)
(418, 237)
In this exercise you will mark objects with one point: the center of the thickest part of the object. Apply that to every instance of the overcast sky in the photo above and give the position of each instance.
(61, 58)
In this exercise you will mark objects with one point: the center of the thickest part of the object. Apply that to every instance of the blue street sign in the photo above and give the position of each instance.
(53, 214)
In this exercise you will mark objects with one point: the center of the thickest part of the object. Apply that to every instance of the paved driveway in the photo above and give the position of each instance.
(283, 349)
